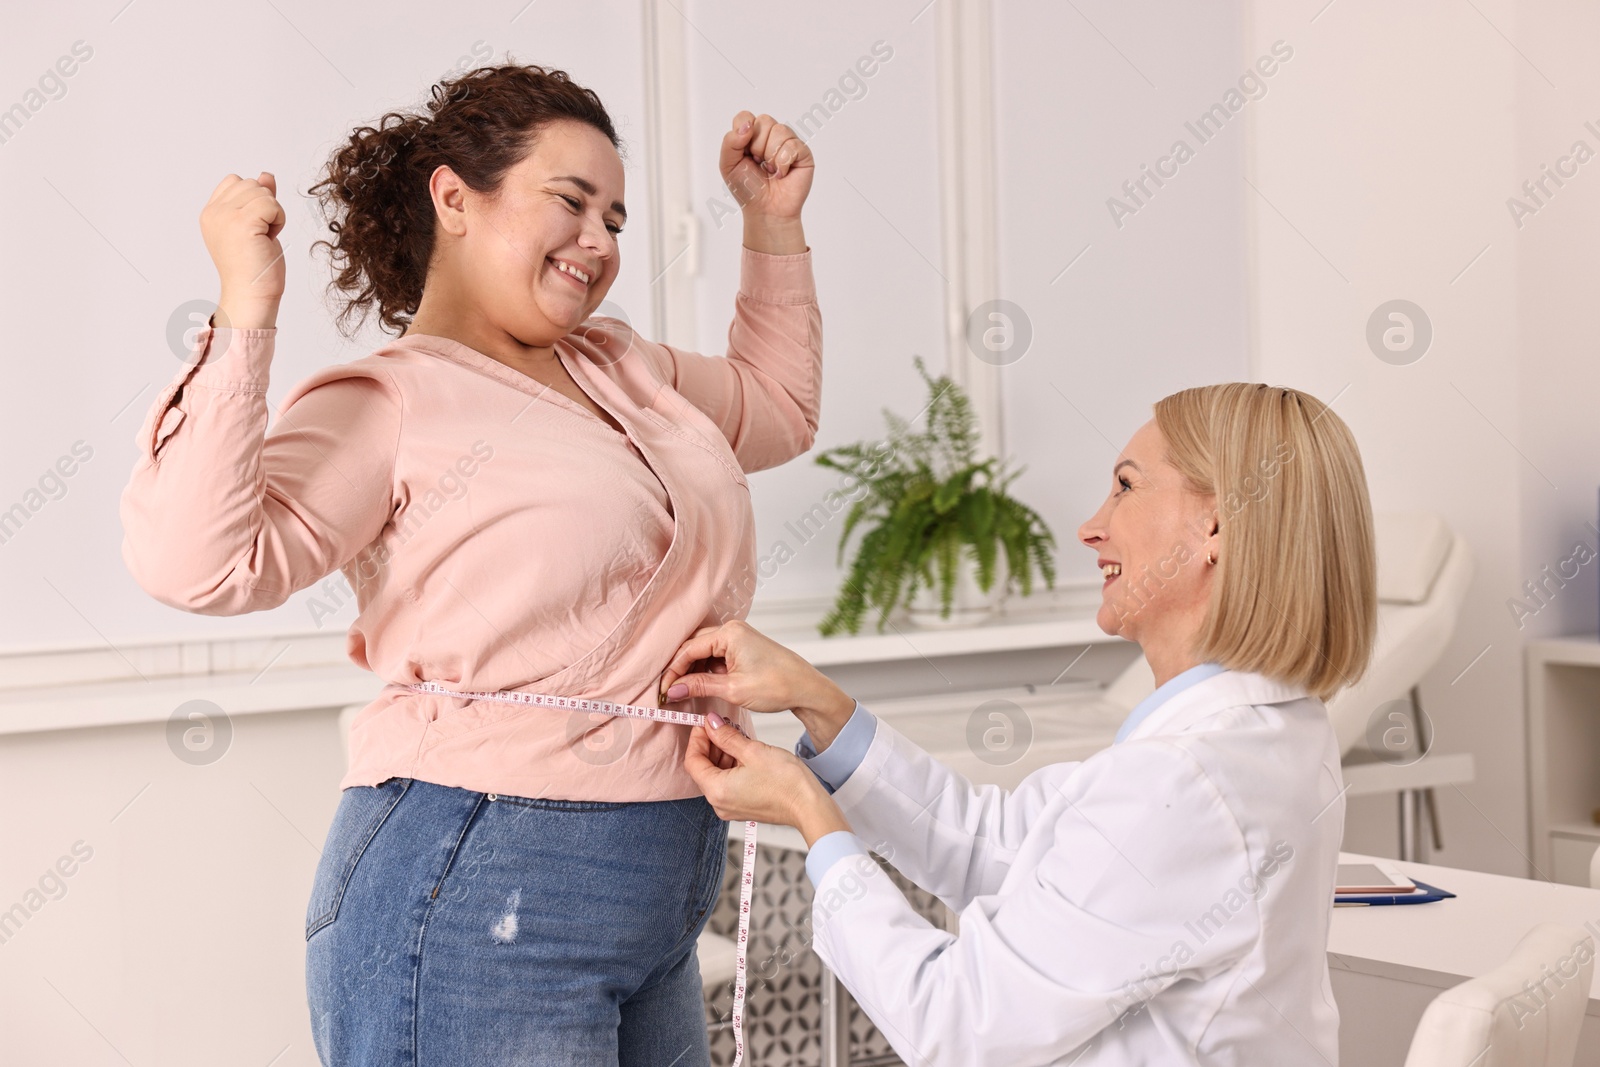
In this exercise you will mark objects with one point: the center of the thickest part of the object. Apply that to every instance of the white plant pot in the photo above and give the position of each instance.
(970, 605)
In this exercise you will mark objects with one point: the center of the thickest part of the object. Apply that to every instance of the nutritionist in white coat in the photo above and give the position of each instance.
(1167, 900)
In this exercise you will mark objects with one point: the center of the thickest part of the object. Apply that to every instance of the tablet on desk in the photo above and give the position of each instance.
(1371, 878)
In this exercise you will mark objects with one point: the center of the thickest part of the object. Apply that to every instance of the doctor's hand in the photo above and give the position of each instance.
(747, 779)
(746, 667)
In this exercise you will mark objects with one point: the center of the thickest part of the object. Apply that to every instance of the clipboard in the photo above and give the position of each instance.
(1424, 894)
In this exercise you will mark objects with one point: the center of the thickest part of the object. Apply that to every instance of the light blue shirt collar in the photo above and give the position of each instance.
(1166, 691)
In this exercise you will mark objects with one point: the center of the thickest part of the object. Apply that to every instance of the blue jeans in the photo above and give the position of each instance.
(446, 928)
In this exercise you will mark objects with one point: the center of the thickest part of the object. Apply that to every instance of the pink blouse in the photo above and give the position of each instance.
(497, 534)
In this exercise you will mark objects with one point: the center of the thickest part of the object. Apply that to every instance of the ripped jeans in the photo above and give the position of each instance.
(446, 929)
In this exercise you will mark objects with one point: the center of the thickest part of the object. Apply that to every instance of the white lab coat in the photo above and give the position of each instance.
(1165, 901)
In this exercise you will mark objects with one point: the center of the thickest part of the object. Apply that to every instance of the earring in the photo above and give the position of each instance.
(1211, 558)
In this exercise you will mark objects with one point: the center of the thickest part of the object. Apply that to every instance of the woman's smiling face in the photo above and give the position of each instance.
(546, 251)
(1152, 536)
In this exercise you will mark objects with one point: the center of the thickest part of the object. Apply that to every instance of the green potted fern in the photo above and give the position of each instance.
(936, 518)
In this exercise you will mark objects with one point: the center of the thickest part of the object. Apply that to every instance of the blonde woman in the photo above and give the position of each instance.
(1167, 900)
(523, 497)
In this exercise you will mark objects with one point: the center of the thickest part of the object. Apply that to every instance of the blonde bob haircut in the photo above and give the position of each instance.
(1295, 595)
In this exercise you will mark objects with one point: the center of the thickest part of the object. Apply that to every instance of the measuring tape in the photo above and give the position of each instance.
(747, 872)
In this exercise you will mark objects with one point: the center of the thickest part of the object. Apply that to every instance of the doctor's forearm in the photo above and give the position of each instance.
(818, 814)
(824, 712)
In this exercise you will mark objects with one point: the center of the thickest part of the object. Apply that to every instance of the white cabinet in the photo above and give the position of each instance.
(1563, 756)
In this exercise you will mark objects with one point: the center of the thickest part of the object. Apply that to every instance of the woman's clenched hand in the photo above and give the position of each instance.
(240, 225)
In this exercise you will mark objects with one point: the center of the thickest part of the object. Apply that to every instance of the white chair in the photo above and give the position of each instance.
(1525, 1013)
(1424, 570)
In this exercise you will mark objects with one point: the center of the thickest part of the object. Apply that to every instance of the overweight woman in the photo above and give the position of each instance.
(520, 496)
(1167, 900)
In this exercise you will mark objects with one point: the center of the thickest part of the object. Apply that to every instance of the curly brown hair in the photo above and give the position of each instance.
(374, 189)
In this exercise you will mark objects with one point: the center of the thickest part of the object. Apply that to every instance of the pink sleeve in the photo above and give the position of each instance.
(220, 518)
(766, 395)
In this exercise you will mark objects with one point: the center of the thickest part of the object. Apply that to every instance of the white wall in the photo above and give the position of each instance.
(180, 940)
(872, 221)
(1383, 157)
(1557, 365)
(1383, 153)
(199, 113)
(114, 174)
(199, 874)
(1151, 307)
(1086, 94)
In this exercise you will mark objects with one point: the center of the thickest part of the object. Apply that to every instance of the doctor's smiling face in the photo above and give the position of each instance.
(1152, 537)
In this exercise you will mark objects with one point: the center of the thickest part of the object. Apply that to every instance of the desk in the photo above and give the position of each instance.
(1388, 963)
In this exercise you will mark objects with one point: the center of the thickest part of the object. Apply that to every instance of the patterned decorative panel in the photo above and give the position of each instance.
(783, 1000)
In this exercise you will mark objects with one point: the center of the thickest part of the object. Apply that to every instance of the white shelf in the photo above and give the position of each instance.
(1363, 777)
(1062, 618)
(1579, 651)
(1587, 830)
(1000, 634)
(100, 687)
(1563, 692)
(121, 703)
